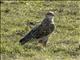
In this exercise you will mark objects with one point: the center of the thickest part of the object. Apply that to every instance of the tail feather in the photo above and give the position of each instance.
(25, 39)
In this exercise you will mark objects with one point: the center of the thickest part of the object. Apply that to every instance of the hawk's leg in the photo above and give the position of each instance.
(43, 40)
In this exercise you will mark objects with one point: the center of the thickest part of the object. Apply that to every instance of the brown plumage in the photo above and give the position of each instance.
(42, 31)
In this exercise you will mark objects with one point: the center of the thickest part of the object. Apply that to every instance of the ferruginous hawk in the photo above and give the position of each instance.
(42, 31)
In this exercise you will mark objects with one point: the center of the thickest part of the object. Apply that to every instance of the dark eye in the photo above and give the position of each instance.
(52, 14)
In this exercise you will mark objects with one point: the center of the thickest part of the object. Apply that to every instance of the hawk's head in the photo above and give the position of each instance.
(50, 15)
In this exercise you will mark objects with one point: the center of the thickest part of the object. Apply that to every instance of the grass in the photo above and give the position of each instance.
(16, 19)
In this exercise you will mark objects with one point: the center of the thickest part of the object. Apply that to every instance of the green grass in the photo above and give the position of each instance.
(63, 44)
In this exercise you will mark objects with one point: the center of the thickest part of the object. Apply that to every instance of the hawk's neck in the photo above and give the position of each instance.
(48, 21)
(51, 20)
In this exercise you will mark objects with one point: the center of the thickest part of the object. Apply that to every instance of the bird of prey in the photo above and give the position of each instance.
(42, 31)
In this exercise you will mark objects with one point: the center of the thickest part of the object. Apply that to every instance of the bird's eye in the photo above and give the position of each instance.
(52, 14)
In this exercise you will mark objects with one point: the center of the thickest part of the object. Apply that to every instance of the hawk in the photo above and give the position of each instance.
(42, 31)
